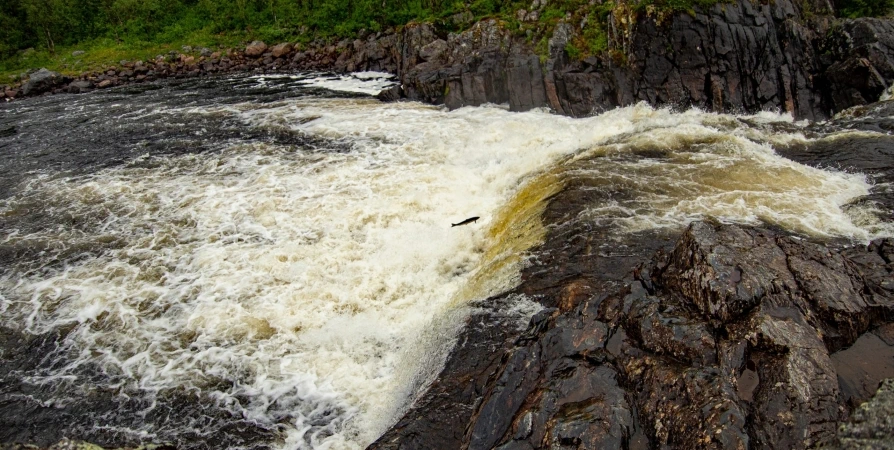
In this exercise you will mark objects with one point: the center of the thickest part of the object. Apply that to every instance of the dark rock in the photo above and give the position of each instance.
(41, 81)
(871, 424)
(80, 86)
(728, 340)
(391, 94)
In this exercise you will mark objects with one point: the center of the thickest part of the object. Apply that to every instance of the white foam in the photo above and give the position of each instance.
(306, 278)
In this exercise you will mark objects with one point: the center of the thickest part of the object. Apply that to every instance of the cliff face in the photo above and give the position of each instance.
(741, 56)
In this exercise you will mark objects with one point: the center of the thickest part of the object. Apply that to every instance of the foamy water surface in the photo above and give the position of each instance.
(309, 290)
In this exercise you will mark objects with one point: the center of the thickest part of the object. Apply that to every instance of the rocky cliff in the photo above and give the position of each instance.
(739, 56)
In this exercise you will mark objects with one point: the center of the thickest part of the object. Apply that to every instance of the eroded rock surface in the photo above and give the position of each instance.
(733, 337)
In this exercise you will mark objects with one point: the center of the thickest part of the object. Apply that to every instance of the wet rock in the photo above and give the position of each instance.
(734, 338)
(390, 95)
(255, 49)
(865, 365)
(871, 424)
(41, 81)
(80, 86)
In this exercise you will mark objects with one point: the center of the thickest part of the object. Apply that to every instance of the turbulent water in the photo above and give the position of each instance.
(269, 262)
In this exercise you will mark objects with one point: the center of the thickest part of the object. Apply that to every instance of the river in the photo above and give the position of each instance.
(269, 262)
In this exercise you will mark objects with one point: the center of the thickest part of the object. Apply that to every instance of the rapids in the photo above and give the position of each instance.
(268, 262)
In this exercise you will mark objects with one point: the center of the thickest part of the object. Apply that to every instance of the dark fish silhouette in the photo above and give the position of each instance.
(465, 222)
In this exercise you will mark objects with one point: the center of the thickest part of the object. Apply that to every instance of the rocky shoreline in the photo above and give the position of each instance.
(783, 56)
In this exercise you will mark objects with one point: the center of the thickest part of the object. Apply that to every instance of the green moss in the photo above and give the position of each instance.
(542, 49)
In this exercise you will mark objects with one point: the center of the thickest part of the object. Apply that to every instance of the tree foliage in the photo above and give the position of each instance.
(46, 24)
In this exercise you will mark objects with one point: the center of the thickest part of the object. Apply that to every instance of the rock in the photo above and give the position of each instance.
(77, 53)
(255, 49)
(11, 93)
(79, 86)
(391, 94)
(41, 81)
(104, 84)
(434, 50)
(871, 425)
(281, 50)
(730, 58)
(205, 51)
(727, 340)
(186, 49)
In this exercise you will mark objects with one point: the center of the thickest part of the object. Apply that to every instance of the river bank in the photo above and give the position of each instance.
(786, 56)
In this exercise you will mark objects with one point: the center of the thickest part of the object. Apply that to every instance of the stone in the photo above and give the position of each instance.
(871, 425)
(280, 50)
(104, 84)
(77, 53)
(390, 94)
(79, 86)
(255, 49)
(434, 50)
(41, 81)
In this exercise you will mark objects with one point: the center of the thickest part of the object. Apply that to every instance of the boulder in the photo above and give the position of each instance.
(281, 50)
(41, 81)
(255, 49)
(79, 86)
(390, 94)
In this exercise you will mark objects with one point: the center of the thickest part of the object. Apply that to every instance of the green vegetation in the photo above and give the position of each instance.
(35, 33)
(864, 8)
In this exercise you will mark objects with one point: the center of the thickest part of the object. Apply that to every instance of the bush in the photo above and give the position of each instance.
(864, 8)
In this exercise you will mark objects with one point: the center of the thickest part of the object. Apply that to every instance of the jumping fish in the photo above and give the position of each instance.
(465, 222)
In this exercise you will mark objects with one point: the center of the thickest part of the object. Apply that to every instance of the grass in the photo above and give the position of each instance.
(102, 53)
(223, 29)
